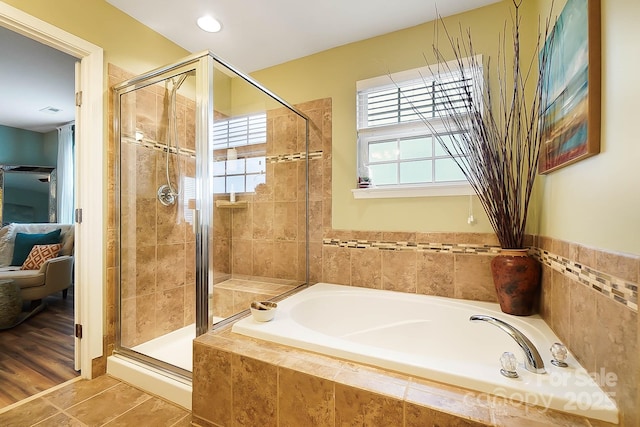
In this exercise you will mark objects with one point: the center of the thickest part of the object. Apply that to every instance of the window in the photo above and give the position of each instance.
(239, 175)
(396, 149)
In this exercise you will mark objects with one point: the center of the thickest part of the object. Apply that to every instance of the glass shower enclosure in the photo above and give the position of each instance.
(211, 205)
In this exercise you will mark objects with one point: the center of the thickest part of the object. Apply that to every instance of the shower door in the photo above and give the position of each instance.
(212, 205)
(164, 202)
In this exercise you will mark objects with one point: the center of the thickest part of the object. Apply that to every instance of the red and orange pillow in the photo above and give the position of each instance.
(39, 255)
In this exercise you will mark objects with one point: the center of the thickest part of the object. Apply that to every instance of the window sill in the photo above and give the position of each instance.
(438, 190)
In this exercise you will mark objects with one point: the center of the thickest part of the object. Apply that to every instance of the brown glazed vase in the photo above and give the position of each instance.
(516, 277)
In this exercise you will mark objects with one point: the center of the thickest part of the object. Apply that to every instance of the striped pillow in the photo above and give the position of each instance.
(39, 255)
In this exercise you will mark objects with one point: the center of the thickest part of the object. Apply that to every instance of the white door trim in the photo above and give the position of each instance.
(90, 180)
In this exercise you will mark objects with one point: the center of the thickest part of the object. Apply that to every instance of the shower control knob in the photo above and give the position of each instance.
(509, 364)
(559, 353)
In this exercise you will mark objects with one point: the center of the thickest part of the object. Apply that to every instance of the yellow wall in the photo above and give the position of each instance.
(334, 73)
(596, 201)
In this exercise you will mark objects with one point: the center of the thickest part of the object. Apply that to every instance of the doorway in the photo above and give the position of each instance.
(89, 181)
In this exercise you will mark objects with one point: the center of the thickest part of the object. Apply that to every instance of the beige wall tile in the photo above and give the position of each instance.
(473, 279)
(285, 260)
(286, 129)
(285, 221)
(560, 303)
(356, 407)
(622, 266)
(304, 400)
(286, 182)
(254, 392)
(242, 257)
(169, 310)
(435, 274)
(212, 383)
(399, 271)
(242, 222)
(366, 268)
(263, 258)
(617, 353)
(170, 268)
(336, 265)
(582, 308)
(262, 221)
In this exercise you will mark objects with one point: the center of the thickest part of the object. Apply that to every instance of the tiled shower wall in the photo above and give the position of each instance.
(157, 243)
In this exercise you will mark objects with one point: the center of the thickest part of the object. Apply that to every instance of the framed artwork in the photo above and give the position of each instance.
(571, 87)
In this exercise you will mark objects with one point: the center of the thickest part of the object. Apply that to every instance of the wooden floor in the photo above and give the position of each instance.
(38, 354)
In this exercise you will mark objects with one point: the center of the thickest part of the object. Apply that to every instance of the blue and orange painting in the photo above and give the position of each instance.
(566, 88)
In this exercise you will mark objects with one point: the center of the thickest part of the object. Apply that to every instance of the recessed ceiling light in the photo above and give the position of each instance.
(209, 24)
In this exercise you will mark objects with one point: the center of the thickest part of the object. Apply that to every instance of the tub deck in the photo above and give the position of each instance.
(256, 382)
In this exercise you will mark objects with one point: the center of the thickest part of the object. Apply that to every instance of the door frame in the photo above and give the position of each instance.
(89, 185)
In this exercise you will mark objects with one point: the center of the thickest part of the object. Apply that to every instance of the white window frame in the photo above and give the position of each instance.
(230, 137)
(411, 129)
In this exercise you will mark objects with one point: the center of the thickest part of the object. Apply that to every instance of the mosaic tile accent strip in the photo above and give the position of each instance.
(282, 158)
(159, 146)
(294, 157)
(617, 289)
(421, 247)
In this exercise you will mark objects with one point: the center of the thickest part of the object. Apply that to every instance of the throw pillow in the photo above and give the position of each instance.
(39, 255)
(24, 243)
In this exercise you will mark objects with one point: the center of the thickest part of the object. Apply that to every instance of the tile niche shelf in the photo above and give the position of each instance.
(224, 204)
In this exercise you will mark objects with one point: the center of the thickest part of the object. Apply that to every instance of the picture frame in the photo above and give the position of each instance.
(570, 118)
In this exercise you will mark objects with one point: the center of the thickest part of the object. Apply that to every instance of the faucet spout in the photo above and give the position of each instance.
(533, 361)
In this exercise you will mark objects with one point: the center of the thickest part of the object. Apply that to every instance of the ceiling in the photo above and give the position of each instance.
(33, 77)
(258, 33)
(255, 34)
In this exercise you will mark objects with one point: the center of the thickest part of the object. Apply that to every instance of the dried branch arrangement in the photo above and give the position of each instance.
(498, 128)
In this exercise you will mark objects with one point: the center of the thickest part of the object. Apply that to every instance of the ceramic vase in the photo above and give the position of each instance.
(516, 276)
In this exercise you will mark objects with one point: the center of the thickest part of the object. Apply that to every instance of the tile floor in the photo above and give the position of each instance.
(103, 401)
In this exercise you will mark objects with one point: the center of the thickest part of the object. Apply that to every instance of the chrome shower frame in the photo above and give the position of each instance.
(203, 65)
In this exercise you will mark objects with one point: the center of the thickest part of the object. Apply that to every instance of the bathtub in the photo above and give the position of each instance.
(430, 337)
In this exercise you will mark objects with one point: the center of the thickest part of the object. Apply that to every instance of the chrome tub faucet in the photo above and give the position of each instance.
(532, 361)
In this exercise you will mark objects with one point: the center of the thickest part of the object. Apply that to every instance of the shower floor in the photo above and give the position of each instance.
(230, 297)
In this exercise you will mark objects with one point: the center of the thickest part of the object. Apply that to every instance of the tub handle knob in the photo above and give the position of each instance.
(559, 353)
(509, 364)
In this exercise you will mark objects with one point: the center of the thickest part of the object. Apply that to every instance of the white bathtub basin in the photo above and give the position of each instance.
(430, 337)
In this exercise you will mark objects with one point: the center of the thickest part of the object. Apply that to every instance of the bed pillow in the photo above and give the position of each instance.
(24, 243)
(39, 255)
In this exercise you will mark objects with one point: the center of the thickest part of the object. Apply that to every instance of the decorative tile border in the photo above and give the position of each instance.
(421, 247)
(619, 290)
(294, 157)
(282, 158)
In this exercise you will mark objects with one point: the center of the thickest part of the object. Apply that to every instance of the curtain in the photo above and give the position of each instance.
(64, 174)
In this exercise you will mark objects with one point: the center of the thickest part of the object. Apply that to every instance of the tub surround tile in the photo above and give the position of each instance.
(254, 391)
(357, 407)
(308, 385)
(304, 400)
(366, 269)
(435, 274)
(399, 271)
(336, 265)
(472, 278)
(214, 385)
